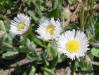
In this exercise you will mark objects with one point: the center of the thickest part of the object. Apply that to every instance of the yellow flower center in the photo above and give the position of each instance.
(50, 29)
(73, 46)
(21, 26)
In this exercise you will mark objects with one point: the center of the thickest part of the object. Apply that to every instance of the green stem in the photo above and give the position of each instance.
(82, 18)
(73, 67)
(82, 15)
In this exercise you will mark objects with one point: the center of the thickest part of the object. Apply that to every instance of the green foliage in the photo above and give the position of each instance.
(9, 55)
(95, 51)
(40, 42)
(97, 26)
(55, 13)
(7, 5)
(70, 1)
(84, 66)
(33, 15)
(5, 28)
(18, 70)
(47, 57)
(47, 71)
(30, 71)
(90, 28)
(71, 26)
(55, 56)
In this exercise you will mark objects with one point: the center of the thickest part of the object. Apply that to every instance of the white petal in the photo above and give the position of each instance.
(17, 20)
(73, 35)
(42, 29)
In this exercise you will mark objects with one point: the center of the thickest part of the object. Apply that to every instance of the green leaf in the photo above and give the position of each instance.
(30, 45)
(71, 26)
(39, 42)
(34, 56)
(70, 1)
(55, 4)
(26, 72)
(95, 51)
(30, 71)
(2, 26)
(46, 61)
(18, 70)
(55, 13)
(97, 27)
(61, 57)
(33, 15)
(28, 2)
(9, 55)
(31, 55)
(47, 71)
(90, 28)
(54, 62)
(52, 52)
(83, 65)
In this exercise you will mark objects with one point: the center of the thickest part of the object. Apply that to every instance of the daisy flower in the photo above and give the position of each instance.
(49, 29)
(20, 24)
(73, 44)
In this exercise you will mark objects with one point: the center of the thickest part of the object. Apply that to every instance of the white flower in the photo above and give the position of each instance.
(20, 24)
(73, 43)
(49, 29)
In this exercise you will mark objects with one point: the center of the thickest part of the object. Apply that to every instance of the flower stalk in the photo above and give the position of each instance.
(73, 67)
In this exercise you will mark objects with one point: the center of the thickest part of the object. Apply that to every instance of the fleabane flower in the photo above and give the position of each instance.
(49, 29)
(20, 24)
(73, 44)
